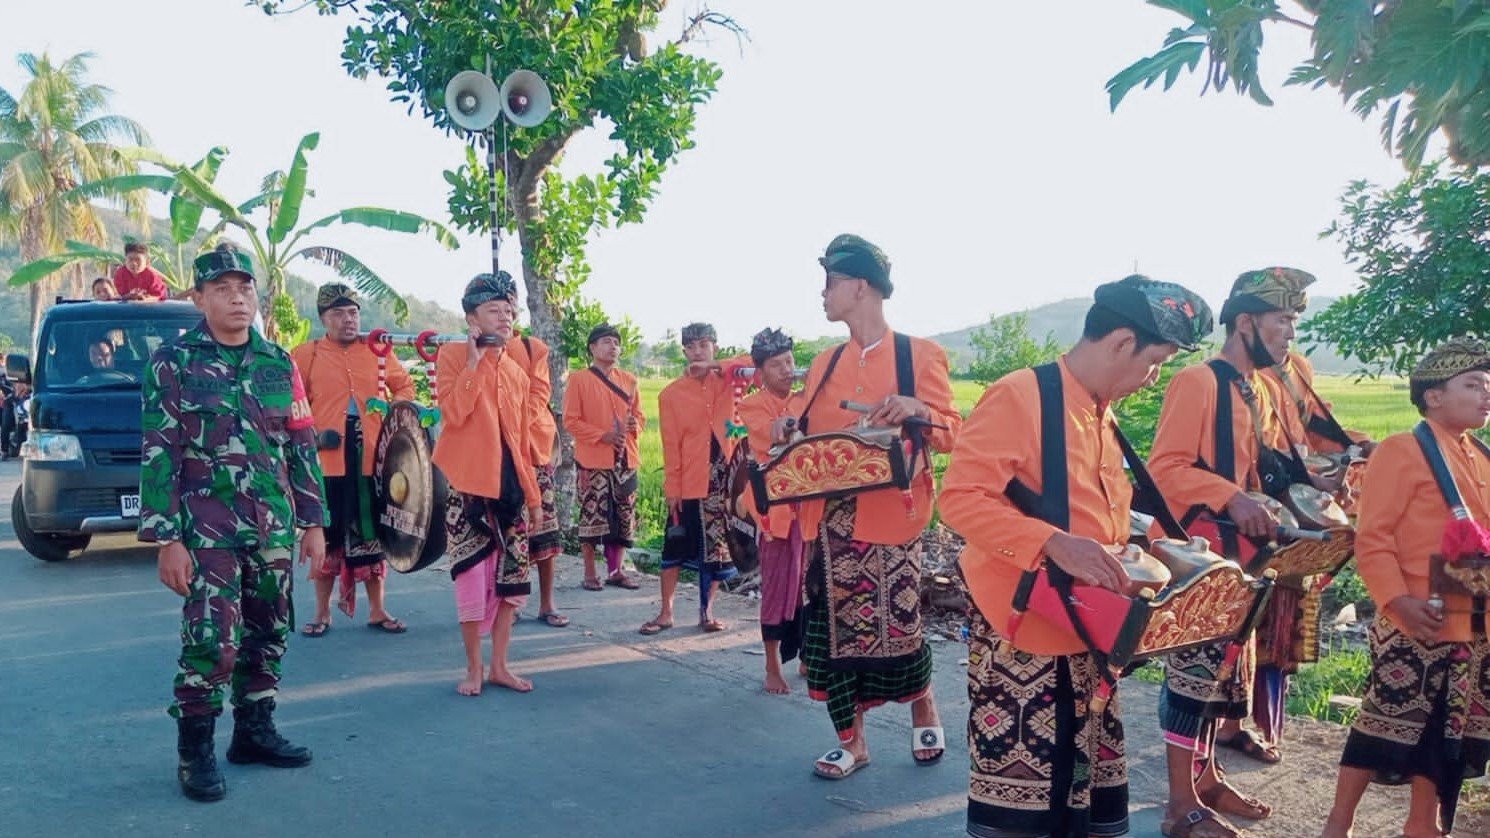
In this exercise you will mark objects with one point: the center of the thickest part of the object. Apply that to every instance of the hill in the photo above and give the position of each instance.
(1063, 321)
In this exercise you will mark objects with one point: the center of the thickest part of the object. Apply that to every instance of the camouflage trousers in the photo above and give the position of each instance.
(234, 625)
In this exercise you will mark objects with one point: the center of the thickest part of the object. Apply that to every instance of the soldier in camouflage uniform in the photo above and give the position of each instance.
(229, 470)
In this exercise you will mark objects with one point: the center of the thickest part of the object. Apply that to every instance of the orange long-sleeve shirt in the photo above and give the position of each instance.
(1402, 515)
(531, 354)
(1001, 441)
(867, 374)
(1298, 413)
(1187, 434)
(335, 375)
(759, 411)
(590, 411)
(689, 412)
(478, 407)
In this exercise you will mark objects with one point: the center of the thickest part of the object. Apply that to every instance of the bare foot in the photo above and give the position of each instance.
(777, 685)
(1333, 829)
(502, 678)
(470, 685)
(923, 714)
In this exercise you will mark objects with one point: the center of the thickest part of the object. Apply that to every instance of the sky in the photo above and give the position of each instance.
(971, 140)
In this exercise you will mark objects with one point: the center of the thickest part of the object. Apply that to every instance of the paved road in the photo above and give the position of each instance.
(624, 735)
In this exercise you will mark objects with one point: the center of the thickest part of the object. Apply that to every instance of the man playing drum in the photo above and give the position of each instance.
(865, 643)
(1030, 779)
(1425, 717)
(341, 375)
(782, 543)
(483, 453)
(694, 413)
(604, 415)
(1206, 458)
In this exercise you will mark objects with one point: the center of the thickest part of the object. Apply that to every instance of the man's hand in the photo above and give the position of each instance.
(1416, 617)
(136, 294)
(782, 429)
(174, 566)
(674, 508)
(1251, 518)
(1087, 560)
(894, 410)
(632, 426)
(313, 547)
(474, 350)
(701, 369)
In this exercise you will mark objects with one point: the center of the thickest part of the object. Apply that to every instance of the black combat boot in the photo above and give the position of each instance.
(256, 740)
(197, 769)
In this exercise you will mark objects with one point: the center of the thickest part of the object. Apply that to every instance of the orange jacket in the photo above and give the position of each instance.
(335, 374)
(543, 431)
(1186, 436)
(1001, 441)
(591, 409)
(1402, 516)
(868, 375)
(759, 411)
(1298, 406)
(478, 407)
(689, 412)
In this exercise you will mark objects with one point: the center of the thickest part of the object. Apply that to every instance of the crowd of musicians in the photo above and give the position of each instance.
(246, 443)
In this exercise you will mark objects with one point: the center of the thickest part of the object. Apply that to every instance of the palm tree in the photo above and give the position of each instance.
(53, 137)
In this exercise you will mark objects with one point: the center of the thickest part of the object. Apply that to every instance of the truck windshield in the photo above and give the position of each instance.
(102, 354)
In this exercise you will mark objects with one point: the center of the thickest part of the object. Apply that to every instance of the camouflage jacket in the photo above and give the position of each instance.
(229, 455)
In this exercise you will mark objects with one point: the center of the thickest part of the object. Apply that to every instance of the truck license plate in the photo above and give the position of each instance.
(129, 506)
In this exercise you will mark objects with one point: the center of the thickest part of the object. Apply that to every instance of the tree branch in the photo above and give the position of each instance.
(706, 17)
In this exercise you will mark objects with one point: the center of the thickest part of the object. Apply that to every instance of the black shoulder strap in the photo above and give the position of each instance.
(1323, 423)
(1440, 468)
(1053, 504)
(905, 370)
(1148, 497)
(1225, 464)
(611, 385)
(832, 362)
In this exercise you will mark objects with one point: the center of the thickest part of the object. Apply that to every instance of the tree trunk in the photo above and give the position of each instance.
(31, 250)
(545, 316)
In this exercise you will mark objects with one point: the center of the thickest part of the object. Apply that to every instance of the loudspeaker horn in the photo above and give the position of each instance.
(525, 98)
(472, 100)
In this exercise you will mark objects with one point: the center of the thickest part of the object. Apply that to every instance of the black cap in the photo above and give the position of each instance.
(604, 330)
(855, 256)
(1162, 311)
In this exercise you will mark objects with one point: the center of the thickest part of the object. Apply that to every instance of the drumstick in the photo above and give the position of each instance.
(1283, 533)
(866, 409)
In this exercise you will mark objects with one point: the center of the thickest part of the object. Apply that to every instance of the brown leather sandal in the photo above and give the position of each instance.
(1197, 823)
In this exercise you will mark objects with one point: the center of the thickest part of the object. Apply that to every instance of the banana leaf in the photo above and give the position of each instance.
(48, 265)
(186, 214)
(367, 281)
(288, 214)
(385, 219)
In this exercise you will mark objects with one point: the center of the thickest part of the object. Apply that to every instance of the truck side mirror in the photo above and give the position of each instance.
(18, 368)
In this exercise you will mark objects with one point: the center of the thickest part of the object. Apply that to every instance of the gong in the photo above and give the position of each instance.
(409, 493)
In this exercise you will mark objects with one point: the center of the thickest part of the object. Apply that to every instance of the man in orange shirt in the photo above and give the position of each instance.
(483, 453)
(604, 415)
(341, 375)
(1425, 717)
(694, 413)
(531, 354)
(1031, 778)
(781, 538)
(1218, 439)
(864, 643)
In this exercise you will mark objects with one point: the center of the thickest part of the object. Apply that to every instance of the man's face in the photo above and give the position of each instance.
(1140, 369)
(840, 292)
(696, 351)
(101, 355)
(228, 302)
(137, 262)
(778, 372)
(493, 318)
(606, 350)
(1275, 329)
(1463, 401)
(342, 323)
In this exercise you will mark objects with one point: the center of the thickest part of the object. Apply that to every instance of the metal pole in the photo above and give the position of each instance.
(491, 174)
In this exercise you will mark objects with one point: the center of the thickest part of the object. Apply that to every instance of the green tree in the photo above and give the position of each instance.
(1005, 345)
(54, 136)
(583, 316)
(1422, 248)
(1425, 65)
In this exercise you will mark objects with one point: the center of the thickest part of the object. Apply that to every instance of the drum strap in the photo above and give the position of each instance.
(1322, 423)
(1450, 490)
(827, 373)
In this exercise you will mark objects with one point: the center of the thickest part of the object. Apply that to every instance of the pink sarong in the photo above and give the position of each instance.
(781, 582)
(476, 597)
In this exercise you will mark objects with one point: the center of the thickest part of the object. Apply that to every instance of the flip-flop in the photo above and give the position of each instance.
(390, 625)
(839, 758)
(315, 629)
(928, 739)
(592, 585)
(652, 627)
(554, 619)
(622, 581)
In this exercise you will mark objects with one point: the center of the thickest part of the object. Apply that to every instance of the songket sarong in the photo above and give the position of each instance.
(1426, 709)
(607, 505)
(353, 552)
(1193, 697)
(781, 590)
(543, 534)
(864, 640)
(1287, 636)
(1043, 761)
(699, 539)
(479, 528)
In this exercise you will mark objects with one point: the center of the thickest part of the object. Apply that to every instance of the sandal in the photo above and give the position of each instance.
(1198, 823)
(553, 619)
(711, 626)
(928, 739)
(315, 629)
(621, 580)
(1227, 800)
(1246, 743)
(592, 585)
(841, 759)
(652, 627)
(389, 625)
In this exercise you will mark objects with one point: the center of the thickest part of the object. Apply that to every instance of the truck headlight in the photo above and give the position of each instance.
(52, 448)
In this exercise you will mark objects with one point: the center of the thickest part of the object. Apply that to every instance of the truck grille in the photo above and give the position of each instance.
(91, 501)
(117, 456)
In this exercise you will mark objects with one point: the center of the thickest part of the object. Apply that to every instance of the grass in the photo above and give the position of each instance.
(1378, 407)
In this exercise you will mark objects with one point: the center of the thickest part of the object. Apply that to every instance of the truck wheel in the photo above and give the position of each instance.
(49, 547)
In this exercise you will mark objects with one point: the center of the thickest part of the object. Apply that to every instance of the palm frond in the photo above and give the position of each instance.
(111, 128)
(367, 281)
